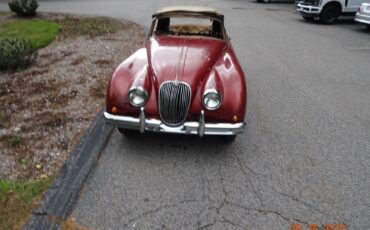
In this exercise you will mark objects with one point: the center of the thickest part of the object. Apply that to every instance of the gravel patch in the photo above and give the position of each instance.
(46, 108)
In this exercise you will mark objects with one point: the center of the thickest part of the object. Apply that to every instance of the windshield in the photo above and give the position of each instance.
(188, 26)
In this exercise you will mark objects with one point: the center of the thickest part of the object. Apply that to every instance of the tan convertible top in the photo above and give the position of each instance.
(189, 9)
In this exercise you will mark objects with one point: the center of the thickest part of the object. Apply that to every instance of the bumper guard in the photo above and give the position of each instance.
(200, 128)
(308, 10)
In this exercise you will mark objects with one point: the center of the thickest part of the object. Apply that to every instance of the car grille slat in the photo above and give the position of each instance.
(174, 101)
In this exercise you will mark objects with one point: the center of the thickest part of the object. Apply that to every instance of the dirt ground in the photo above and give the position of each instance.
(45, 109)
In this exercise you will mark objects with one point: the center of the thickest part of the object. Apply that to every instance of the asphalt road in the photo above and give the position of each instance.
(304, 158)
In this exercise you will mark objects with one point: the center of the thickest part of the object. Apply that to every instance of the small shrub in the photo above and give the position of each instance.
(16, 53)
(23, 8)
(14, 141)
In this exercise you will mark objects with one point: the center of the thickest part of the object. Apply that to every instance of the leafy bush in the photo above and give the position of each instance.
(16, 53)
(23, 8)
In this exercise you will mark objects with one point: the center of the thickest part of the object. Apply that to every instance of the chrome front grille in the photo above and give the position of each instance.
(174, 101)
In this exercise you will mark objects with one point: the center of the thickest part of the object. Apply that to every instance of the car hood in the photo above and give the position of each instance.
(187, 59)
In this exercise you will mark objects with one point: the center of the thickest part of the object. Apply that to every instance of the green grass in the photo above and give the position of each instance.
(4, 13)
(14, 141)
(17, 199)
(40, 32)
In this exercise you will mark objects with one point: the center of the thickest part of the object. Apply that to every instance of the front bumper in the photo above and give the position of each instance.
(362, 18)
(200, 128)
(308, 10)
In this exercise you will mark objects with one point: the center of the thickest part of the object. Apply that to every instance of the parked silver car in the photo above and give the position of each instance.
(363, 14)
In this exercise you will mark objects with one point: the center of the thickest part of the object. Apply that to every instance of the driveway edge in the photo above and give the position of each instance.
(60, 199)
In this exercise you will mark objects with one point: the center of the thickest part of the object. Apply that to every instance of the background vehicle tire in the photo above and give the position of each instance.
(309, 19)
(368, 27)
(329, 14)
(266, 1)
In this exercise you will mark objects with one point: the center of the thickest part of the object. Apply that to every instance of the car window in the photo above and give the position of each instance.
(188, 26)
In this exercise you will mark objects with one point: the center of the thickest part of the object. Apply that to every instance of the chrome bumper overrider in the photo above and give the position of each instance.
(198, 128)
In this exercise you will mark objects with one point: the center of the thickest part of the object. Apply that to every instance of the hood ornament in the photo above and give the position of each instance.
(175, 83)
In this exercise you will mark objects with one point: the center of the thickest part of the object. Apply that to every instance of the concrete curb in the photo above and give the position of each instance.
(60, 199)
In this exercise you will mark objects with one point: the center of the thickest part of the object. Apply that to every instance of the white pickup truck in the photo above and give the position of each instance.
(328, 11)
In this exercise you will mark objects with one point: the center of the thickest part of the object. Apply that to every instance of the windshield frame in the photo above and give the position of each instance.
(190, 15)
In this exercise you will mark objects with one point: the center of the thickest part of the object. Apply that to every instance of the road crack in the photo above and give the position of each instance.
(242, 167)
(266, 211)
(299, 201)
(160, 208)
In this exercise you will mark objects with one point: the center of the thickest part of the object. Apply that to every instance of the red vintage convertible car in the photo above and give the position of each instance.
(185, 80)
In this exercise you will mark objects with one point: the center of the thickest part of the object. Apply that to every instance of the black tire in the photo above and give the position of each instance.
(368, 27)
(266, 1)
(309, 19)
(230, 138)
(330, 14)
(126, 132)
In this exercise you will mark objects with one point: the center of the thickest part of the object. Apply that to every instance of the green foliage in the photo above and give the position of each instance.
(14, 141)
(40, 32)
(23, 8)
(25, 190)
(24, 162)
(17, 199)
(4, 13)
(16, 53)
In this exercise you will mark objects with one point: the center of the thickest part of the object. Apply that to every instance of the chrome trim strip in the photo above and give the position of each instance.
(362, 21)
(358, 14)
(191, 127)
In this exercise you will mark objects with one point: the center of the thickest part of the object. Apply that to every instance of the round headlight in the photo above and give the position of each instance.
(211, 99)
(137, 96)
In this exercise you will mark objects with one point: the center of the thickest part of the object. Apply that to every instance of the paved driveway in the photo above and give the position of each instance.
(305, 157)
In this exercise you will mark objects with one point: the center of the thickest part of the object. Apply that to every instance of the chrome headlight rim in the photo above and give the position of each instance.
(140, 92)
(208, 93)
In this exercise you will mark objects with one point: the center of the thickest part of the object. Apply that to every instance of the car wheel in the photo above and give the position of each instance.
(368, 27)
(230, 138)
(329, 14)
(126, 132)
(309, 19)
(266, 1)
